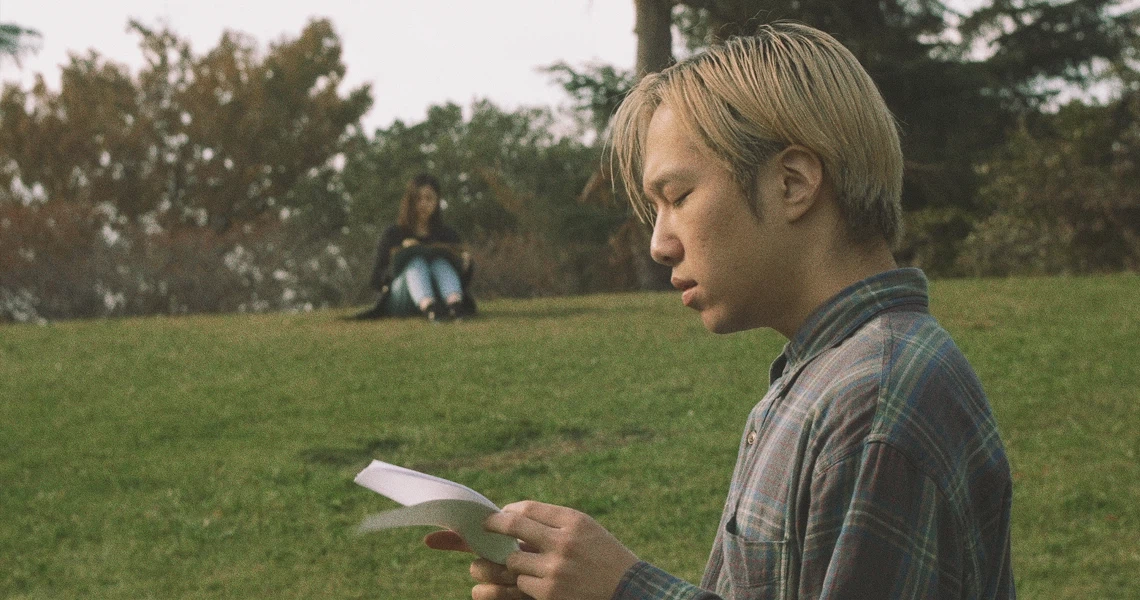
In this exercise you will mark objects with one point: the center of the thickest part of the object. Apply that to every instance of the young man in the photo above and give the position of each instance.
(872, 468)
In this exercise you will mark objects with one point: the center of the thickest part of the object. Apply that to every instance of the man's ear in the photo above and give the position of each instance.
(800, 172)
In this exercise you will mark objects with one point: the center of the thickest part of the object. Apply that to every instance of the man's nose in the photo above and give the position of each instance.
(664, 246)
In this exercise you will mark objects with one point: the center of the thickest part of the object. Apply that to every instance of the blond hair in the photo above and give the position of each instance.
(751, 97)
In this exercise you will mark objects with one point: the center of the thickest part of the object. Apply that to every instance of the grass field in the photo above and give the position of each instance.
(212, 457)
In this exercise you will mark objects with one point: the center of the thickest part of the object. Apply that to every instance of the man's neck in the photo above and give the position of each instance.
(829, 272)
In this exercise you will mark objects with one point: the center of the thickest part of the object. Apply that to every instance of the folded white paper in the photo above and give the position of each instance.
(430, 500)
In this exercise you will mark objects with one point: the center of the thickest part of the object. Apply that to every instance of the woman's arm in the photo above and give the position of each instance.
(446, 238)
(389, 241)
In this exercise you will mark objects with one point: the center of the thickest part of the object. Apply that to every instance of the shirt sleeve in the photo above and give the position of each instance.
(644, 581)
(878, 527)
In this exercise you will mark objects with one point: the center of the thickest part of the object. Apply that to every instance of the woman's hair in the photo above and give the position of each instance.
(751, 97)
(407, 216)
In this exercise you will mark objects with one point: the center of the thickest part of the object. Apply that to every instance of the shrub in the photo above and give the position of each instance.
(1004, 244)
(65, 261)
(517, 266)
(1063, 200)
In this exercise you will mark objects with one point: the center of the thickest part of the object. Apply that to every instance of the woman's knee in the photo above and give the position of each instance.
(442, 268)
(446, 278)
(416, 262)
(440, 262)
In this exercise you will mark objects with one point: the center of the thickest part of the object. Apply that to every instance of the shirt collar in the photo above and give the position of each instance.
(835, 320)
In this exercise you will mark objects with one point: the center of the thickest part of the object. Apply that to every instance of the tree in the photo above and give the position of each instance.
(1037, 48)
(198, 171)
(653, 26)
(16, 41)
(243, 131)
(214, 140)
(1063, 198)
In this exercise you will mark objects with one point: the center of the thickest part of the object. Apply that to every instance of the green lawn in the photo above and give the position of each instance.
(212, 457)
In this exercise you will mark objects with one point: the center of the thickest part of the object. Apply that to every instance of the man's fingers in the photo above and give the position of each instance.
(547, 514)
(485, 571)
(446, 540)
(490, 591)
(526, 563)
(520, 527)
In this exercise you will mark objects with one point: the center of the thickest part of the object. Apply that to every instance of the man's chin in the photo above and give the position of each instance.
(720, 323)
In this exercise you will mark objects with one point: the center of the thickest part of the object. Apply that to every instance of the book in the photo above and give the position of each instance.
(431, 500)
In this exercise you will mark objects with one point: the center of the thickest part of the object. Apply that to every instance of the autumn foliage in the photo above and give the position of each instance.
(176, 189)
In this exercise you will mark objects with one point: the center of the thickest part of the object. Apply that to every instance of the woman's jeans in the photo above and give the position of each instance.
(421, 280)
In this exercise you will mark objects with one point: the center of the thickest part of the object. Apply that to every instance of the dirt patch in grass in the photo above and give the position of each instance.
(348, 455)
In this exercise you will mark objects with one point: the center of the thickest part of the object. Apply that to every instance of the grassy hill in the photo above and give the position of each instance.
(212, 457)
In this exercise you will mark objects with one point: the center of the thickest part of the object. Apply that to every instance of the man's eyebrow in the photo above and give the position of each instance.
(654, 186)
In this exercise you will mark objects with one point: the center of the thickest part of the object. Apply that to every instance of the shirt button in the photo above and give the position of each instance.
(751, 439)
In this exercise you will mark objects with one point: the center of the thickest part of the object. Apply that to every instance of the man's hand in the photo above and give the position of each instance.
(409, 242)
(571, 556)
(495, 581)
(565, 555)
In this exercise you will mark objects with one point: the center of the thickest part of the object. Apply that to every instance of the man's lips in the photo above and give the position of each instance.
(688, 289)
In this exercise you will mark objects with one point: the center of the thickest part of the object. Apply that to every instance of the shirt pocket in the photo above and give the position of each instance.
(755, 567)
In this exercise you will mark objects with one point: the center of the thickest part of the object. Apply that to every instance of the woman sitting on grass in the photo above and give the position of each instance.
(421, 267)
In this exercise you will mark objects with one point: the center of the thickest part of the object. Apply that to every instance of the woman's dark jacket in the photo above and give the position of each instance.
(392, 257)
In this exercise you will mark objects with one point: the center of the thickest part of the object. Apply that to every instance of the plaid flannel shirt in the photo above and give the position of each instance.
(872, 468)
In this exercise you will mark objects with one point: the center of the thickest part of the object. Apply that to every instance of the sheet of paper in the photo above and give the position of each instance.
(430, 500)
(412, 487)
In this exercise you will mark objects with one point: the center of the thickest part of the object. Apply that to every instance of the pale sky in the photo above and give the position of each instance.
(415, 53)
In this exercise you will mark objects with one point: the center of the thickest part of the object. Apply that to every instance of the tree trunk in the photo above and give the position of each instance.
(654, 29)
